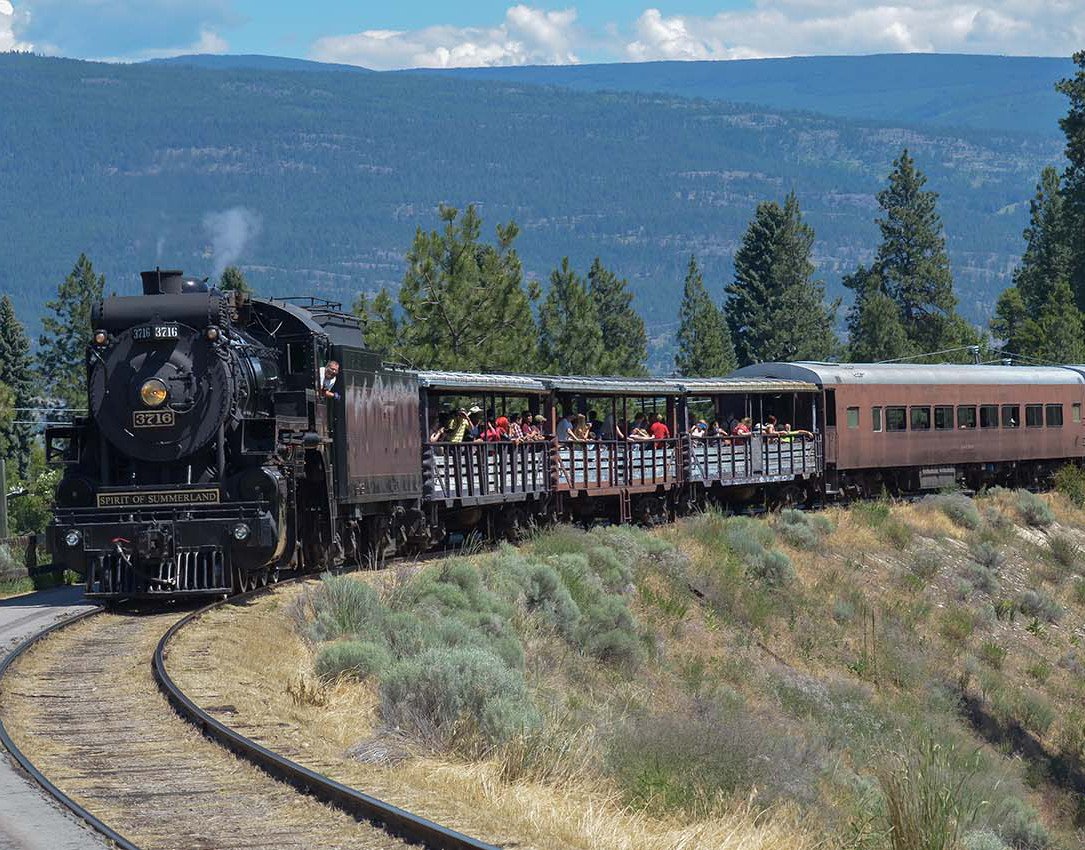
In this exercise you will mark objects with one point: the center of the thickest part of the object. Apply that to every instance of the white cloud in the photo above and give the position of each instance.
(208, 42)
(810, 27)
(526, 36)
(8, 41)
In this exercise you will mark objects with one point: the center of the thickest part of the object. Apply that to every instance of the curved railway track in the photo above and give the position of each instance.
(89, 709)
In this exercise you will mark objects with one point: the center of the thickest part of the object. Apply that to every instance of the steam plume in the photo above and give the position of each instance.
(231, 233)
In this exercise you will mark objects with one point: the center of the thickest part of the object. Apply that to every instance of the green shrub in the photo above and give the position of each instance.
(982, 578)
(991, 654)
(548, 598)
(926, 563)
(982, 839)
(898, 533)
(608, 632)
(344, 606)
(957, 624)
(1034, 510)
(1063, 551)
(773, 569)
(354, 658)
(1036, 603)
(445, 693)
(799, 536)
(802, 530)
(1018, 825)
(822, 524)
(615, 573)
(748, 538)
(843, 611)
(958, 507)
(988, 555)
(1070, 481)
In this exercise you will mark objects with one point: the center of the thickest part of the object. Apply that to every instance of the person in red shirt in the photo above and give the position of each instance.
(742, 429)
(658, 429)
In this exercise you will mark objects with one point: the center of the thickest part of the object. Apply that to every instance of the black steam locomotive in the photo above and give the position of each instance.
(205, 465)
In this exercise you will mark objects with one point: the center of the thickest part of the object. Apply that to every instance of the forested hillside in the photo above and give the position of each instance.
(328, 176)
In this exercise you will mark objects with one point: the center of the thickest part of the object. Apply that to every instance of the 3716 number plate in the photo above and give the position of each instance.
(145, 333)
(153, 419)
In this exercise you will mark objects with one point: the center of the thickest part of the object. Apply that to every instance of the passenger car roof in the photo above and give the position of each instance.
(468, 381)
(830, 374)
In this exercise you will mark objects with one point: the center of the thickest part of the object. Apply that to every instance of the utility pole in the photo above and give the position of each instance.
(3, 499)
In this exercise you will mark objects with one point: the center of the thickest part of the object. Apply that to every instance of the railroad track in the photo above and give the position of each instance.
(89, 709)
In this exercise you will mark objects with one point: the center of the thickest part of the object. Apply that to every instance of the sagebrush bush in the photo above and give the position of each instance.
(1036, 603)
(874, 514)
(608, 632)
(926, 563)
(546, 596)
(982, 578)
(1063, 551)
(797, 529)
(988, 555)
(773, 569)
(1033, 510)
(354, 658)
(991, 654)
(958, 507)
(1070, 481)
(957, 624)
(443, 693)
(982, 839)
(344, 606)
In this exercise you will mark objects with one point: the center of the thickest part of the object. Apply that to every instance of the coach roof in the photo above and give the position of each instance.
(467, 381)
(828, 374)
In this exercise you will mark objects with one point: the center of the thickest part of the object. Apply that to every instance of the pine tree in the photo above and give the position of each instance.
(1059, 329)
(1073, 181)
(570, 336)
(233, 280)
(704, 339)
(379, 327)
(464, 303)
(776, 309)
(15, 374)
(623, 328)
(912, 264)
(1011, 323)
(875, 331)
(62, 347)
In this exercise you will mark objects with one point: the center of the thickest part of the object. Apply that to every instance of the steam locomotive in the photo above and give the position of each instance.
(205, 464)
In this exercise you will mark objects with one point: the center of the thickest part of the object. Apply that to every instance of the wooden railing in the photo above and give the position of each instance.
(477, 470)
(603, 464)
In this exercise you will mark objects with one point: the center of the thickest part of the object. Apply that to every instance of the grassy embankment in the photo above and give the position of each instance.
(796, 681)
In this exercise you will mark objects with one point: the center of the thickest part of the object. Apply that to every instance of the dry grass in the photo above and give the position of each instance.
(249, 659)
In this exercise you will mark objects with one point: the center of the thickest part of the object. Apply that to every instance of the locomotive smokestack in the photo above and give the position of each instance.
(162, 281)
(170, 282)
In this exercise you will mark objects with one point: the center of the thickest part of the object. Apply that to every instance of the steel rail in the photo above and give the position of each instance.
(392, 819)
(104, 829)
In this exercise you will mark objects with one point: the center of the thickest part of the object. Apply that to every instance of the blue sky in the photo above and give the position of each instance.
(412, 33)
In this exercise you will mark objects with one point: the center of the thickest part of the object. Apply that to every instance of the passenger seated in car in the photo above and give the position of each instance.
(743, 429)
(699, 429)
(659, 430)
(582, 432)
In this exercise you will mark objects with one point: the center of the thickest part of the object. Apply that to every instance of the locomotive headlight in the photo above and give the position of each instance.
(153, 393)
(212, 333)
(101, 337)
(73, 537)
(241, 532)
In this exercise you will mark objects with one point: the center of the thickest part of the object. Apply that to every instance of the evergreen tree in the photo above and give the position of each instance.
(464, 303)
(875, 331)
(623, 329)
(15, 374)
(1011, 323)
(233, 280)
(1073, 182)
(704, 339)
(62, 347)
(776, 309)
(570, 336)
(1059, 329)
(379, 327)
(911, 264)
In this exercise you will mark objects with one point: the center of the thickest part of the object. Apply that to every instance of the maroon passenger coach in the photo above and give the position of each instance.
(910, 427)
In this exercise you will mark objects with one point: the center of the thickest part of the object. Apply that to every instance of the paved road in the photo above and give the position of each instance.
(30, 819)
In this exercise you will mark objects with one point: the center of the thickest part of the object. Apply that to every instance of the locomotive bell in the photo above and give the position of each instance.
(170, 282)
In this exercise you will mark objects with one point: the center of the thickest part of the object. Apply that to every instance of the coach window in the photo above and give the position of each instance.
(876, 418)
(966, 418)
(896, 419)
(921, 418)
(1075, 412)
(1034, 416)
(1054, 416)
(853, 417)
(988, 415)
(943, 418)
(1011, 416)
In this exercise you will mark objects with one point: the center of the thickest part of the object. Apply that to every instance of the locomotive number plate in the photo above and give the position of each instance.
(153, 418)
(144, 333)
(147, 498)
